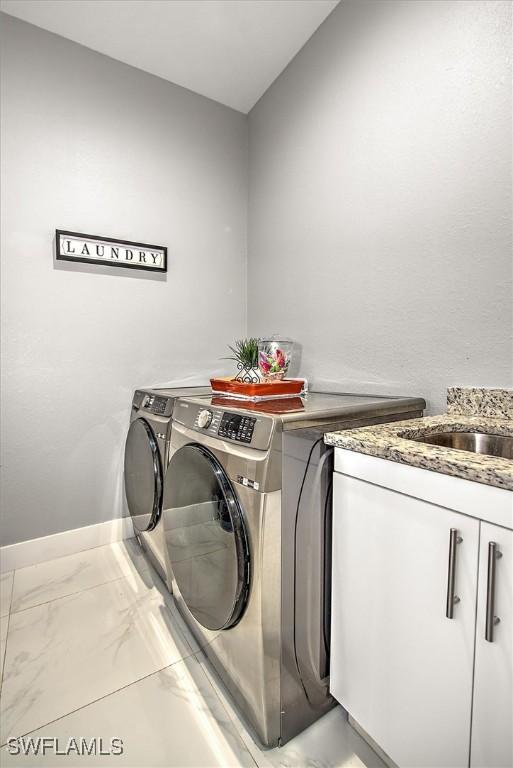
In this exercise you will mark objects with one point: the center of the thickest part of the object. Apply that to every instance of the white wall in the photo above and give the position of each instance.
(380, 199)
(93, 145)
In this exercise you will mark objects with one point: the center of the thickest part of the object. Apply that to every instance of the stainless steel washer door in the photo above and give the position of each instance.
(206, 538)
(143, 476)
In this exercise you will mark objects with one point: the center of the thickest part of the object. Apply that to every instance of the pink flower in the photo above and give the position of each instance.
(280, 358)
(263, 363)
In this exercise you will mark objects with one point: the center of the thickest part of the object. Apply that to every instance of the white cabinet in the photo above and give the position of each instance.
(400, 667)
(431, 691)
(492, 723)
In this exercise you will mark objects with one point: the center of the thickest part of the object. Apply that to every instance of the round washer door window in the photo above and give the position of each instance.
(206, 538)
(143, 476)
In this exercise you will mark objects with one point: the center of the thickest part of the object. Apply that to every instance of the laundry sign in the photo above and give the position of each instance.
(92, 249)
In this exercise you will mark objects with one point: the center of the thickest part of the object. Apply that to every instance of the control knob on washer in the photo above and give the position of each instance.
(205, 418)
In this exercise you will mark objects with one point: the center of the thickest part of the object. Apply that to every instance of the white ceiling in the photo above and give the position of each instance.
(228, 50)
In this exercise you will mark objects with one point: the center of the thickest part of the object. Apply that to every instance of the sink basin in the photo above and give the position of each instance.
(476, 442)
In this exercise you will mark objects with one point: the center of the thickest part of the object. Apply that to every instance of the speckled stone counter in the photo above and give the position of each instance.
(480, 401)
(394, 442)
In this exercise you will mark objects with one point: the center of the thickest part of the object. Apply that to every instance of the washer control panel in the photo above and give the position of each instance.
(237, 427)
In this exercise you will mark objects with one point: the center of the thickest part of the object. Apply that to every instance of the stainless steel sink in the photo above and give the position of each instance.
(476, 442)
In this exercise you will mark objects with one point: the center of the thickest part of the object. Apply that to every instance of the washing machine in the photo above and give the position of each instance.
(246, 517)
(146, 451)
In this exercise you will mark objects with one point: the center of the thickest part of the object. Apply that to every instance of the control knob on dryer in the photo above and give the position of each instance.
(205, 418)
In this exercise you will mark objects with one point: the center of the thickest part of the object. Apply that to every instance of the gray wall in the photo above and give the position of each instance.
(380, 235)
(380, 199)
(93, 145)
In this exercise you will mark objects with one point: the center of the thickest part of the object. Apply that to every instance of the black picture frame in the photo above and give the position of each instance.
(60, 256)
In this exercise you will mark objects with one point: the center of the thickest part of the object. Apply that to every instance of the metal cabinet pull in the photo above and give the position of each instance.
(491, 620)
(452, 599)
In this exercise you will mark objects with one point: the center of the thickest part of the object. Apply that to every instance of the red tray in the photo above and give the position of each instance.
(282, 405)
(283, 388)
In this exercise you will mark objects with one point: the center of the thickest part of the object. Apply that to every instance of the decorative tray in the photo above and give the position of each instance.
(262, 390)
(276, 405)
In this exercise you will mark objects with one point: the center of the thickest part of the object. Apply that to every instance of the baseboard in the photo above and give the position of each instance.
(33, 551)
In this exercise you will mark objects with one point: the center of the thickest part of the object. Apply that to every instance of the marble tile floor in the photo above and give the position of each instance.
(92, 647)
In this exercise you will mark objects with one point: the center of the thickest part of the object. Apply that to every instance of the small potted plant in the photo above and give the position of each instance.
(245, 354)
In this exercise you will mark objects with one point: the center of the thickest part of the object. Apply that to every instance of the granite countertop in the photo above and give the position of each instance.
(469, 410)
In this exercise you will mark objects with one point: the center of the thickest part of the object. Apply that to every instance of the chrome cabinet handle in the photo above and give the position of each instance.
(452, 599)
(491, 620)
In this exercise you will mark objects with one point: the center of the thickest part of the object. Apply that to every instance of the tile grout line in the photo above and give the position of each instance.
(236, 722)
(100, 698)
(2, 665)
(71, 594)
(183, 635)
(192, 653)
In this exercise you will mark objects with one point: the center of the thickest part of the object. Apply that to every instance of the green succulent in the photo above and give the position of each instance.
(245, 351)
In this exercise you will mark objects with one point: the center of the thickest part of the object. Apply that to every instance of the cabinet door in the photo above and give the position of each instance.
(400, 667)
(492, 722)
